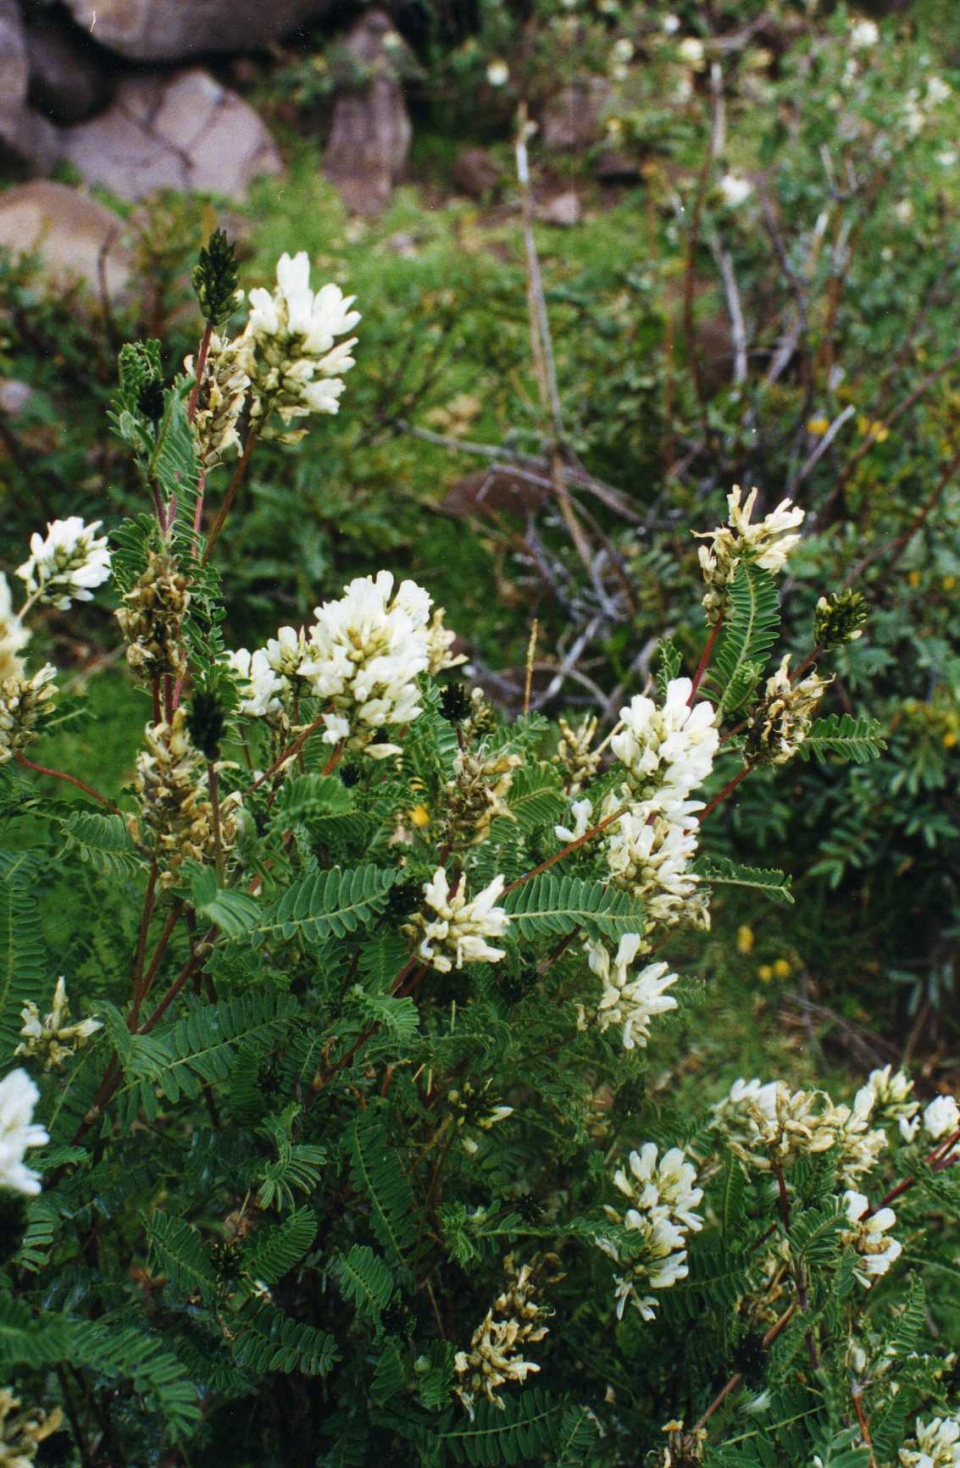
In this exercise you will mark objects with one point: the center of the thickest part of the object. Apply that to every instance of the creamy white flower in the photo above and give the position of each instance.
(941, 1117)
(868, 1237)
(259, 686)
(767, 544)
(863, 34)
(909, 1126)
(13, 635)
(68, 564)
(663, 1196)
(290, 350)
(890, 1093)
(770, 1126)
(937, 91)
(25, 703)
(650, 854)
(781, 721)
(582, 813)
(938, 1445)
(54, 1036)
(19, 1132)
(498, 73)
(630, 1003)
(671, 24)
(735, 189)
(661, 1185)
(458, 933)
(366, 652)
(666, 752)
(692, 50)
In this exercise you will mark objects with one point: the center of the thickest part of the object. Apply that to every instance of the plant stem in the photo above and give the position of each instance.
(196, 958)
(704, 662)
(776, 1329)
(856, 1391)
(566, 850)
(198, 373)
(238, 477)
(213, 788)
(28, 764)
(728, 789)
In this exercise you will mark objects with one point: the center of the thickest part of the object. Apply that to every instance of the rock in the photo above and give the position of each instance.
(76, 237)
(183, 131)
(477, 173)
(25, 137)
(14, 396)
(570, 122)
(563, 209)
(370, 133)
(173, 30)
(70, 77)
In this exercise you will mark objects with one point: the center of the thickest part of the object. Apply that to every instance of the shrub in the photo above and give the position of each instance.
(370, 1143)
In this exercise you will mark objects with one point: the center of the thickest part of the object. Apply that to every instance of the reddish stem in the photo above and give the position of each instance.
(566, 850)
(231, 494)
(704, 662)
(728, 789)
(198, 374)
(28, 764)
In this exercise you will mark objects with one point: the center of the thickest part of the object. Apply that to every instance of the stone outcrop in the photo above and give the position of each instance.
(70, 77)
(571, 120)
(370, 133)
(174, 30)
(183, 131)
(25, 137)
(77, 238)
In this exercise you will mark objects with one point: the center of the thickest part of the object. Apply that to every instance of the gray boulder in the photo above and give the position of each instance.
(173, 30)
(183, 131)
(27, 138)
(571, 120)
(370, 133)
(77, 239)
(70, 77)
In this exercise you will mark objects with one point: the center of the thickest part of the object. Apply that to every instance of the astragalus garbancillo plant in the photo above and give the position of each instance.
(347, 1155)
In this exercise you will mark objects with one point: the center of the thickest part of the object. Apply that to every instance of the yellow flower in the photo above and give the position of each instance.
(765, 972)
(877, 431)
(818, 426)
(781, 969)
(419, 816)
(948, 582)
(745, 940)
(949, 740)
(913, 577)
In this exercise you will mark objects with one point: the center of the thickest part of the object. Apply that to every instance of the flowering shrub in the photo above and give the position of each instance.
(360, 1147)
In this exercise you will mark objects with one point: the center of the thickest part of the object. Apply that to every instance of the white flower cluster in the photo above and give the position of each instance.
(769, 1127)
(24, 704)
(220, 399)
(781, 721)
(363, 656)
(458, 933)
(630, 1003)
(767, 544)
(663, 1196)
(13, 635)
(54, 1036)
(22, 1432)
(891, 1099)
(918, 106)
(666, 752)
(67, 565)
(495, 1355)
(869, 1237)
(19, 1132)
(289, 347)
(937, 1445)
